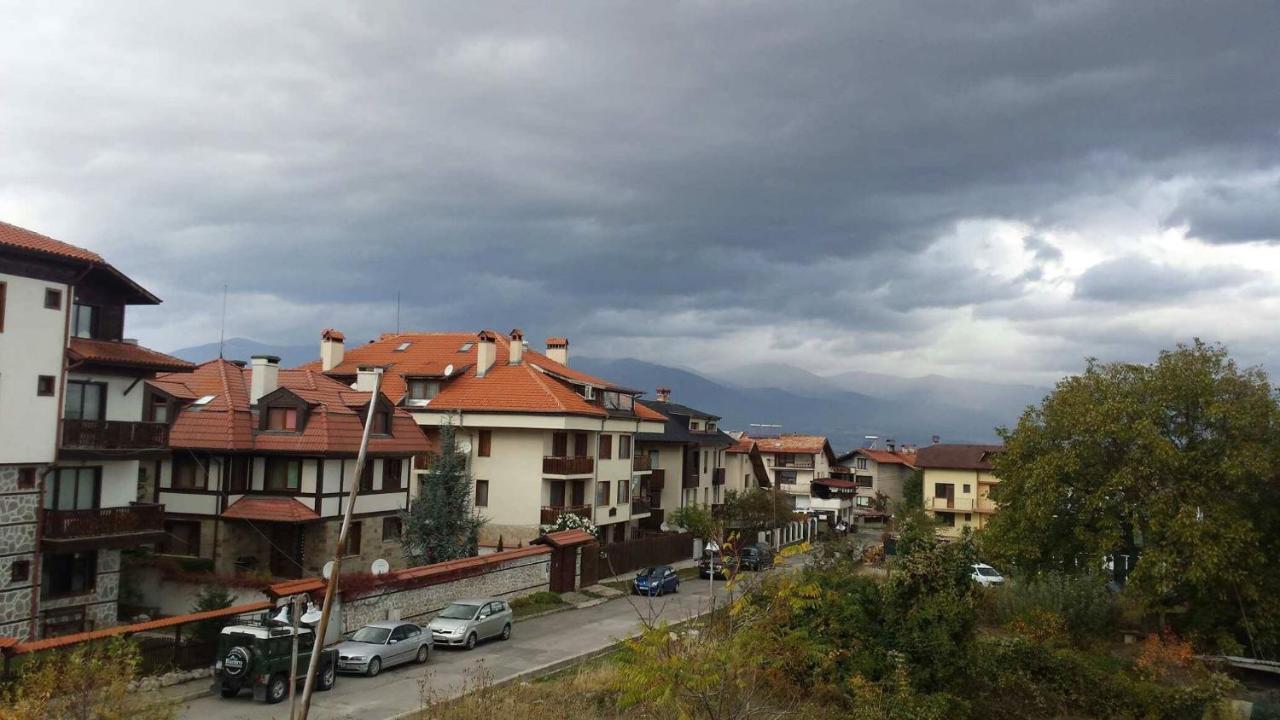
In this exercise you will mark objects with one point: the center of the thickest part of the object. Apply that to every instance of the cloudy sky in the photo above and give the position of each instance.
(979, 189)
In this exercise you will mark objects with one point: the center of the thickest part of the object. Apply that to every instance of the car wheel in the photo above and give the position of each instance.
(328, 677)
(229, 692)
(471, 641)
(506, 631)
(375, 667)
(676, 588)
(423, 653)
(278, 689)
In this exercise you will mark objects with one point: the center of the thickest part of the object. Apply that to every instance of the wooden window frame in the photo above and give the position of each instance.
(482, 493)
(366, 476)
(91, 562)
(603, 493)
(624, 447)
(20, 571)
(273, 462)
(27, 478)
(278, 418)
(387, 524)
(392, 472)
(85, 385)
(485, 444)
(170, 541)
(199, 477)
(52, 299)
(605, 446)
(95, 321)
(624, 492)
(53, 490)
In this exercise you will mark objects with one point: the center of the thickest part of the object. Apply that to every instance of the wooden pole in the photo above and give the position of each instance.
(293, 658)
(332, 587)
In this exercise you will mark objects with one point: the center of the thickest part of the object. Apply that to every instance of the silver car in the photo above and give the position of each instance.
(466, 622)
(381, 645)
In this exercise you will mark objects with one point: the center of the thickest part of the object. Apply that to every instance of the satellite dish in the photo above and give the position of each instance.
(312, 615)
(327, 570)
(448, 370)
(464, 447)
(381, 567)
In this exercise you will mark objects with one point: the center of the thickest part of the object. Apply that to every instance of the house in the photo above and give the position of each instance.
(541, 438)
(78, 435)
(957, 485)
(687, 457)
(263, 460)
(744, 465)
(802, 466)
(879, 471)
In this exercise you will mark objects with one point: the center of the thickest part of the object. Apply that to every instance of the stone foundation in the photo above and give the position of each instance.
(18, 543)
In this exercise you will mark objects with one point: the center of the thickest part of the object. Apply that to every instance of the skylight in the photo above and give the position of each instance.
(204, 400)
(465, 346)
(403, 346)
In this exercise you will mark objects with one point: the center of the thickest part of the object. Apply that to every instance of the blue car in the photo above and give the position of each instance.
(656, 580)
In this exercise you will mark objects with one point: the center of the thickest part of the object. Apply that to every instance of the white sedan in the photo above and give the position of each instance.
(986, 576)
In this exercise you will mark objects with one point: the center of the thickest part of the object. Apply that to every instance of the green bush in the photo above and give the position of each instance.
(1080, 604)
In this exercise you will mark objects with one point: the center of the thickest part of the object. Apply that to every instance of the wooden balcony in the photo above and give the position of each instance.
(551, 513)
(690, 480)
(717, 476)
(639, 506)
(112, 527)
(552, 465)
(641, 462)
(657, 480)
(114, 436)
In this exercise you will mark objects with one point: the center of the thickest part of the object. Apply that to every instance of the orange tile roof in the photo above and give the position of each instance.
(121, 353)
(812, 444)
(537, 384)
(568, 538)
(743, 445)
(887, 457)
(270, 509)
(295, 587)
(228, 421)
(23, 239)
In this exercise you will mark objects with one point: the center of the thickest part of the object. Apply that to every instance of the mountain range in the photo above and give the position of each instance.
(845, 407)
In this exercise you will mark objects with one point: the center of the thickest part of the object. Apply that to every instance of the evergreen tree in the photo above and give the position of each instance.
(441, 523)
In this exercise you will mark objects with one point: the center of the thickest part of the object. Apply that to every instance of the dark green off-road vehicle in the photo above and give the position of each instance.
(257, 656)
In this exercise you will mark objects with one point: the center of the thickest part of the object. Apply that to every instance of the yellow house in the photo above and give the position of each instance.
(957, 485)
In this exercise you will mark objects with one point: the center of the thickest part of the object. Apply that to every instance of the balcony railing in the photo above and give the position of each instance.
(944, 503)
(690, 480)
(113, 435)
(717, 476)
(639, 506)
(641, 462)
(657, 480)
(552, 465)
(551, 513)
(95, 523)
(986, 505)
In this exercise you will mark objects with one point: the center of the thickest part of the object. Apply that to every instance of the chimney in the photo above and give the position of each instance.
(891, 443)
(558, 349)
(664, 394)
(331, 349)
(264, 376)
(936, 439)
(516, 348)
(366, 377)
(486, 352)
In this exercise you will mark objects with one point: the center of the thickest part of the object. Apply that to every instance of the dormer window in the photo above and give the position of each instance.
(695, 425)
(282, 418)
(381, 423)
(423, 390)
(711, 427)
(618, 401)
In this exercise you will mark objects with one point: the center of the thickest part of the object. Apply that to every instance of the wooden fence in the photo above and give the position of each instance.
(623, 557)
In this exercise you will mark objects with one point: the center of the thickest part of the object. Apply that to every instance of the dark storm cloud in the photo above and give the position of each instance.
(1226, 214)
(1138, 280)
(560, 168)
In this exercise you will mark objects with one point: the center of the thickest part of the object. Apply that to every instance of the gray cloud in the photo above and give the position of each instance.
(1138, 280)
(1226, 214)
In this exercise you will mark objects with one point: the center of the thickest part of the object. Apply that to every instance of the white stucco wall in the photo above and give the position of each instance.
(31, 345)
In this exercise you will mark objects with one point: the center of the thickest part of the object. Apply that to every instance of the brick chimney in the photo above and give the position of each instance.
(558, 349)
(664, 394)
(264, 376)
(331, 349)
(515, 351)
(486, 352)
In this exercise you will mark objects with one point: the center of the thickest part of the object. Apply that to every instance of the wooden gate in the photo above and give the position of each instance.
(590, 564)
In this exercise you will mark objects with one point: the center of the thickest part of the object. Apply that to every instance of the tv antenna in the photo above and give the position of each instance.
(222, 329)
(769, 426)
(397, 312)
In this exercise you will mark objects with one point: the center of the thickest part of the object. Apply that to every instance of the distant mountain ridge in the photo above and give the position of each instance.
(845, 407)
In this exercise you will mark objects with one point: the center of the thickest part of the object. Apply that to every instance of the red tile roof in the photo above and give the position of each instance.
(810, 444)
(743, 445)
(957, 457)
(568, 538)
(295, 587)
(106, 352)
(23, 239)
(228, 422)
(270, 509)
(887, 457)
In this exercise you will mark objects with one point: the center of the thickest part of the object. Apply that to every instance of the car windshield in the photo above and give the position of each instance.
(650, 572)
(370, 634)
(458, 611)
(988, 572)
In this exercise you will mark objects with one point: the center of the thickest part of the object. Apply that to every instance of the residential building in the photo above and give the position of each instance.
(957, 485)
(263, 462)
(541, 438)
(802, 466)
(744, 465)
(687, 457)
(78, 441)
(878, 471)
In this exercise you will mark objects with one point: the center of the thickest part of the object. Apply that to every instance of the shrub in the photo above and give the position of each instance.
(211, 597)
(90, 682)
(1078, 605)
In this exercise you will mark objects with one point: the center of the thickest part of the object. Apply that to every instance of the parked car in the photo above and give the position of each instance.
(986, 576)
(467, 622)
(657, 580)
(714, 565)
(756, 557)
(382, 645)
(257, 656)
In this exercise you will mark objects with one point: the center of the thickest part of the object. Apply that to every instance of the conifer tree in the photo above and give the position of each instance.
(441, 523)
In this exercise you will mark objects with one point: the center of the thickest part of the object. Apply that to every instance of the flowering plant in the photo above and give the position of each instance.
(569, 521)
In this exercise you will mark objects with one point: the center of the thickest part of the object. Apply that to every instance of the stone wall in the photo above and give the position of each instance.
(99, 604)
(18, 511)
(527, 573)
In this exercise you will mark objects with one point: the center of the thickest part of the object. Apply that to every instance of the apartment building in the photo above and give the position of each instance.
(264, 459)
(687, 457)
(803, 467)
(78, 440)
(879, 471)
(541, 438)
(744, 465)
(957, 485)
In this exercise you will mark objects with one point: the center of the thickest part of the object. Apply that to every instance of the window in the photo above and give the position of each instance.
(618, 401)
(68, 574)
(694, 425)
(85, 400)
(624, 447)
(486, 443)
(189, 473)
(482, 493)
(72, 489)
(84, 321)
(157, 409)
(711, 427)
(864, 481)
(63, 621)
(44, 386)
(704, 461)
(786, 477)
(366, 476)
(182, 537)
(606, 446)
(403, 346)
(965, 489)
(282, 418)
(204, 400)
(283, 473)
(238, 477)
(602, 492)
(26, 478)
(968, 517)
(559, 444)
(381, 423)
(423, 390)
(624, 493)
(948, 519)
(391, 528)
(392, 469)
(861, 463)
(580, 444)
(20, 571)
(52, 299)
(353, 538)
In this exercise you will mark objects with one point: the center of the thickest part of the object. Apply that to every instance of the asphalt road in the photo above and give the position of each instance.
(534, 644)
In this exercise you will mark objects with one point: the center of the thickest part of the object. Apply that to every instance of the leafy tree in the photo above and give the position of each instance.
(758, 508)
(441, 523)
(1175, 461)
(91, 682)
(696, 519)
(913, 490)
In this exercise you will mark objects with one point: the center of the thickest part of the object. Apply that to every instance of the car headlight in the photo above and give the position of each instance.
(355, 658)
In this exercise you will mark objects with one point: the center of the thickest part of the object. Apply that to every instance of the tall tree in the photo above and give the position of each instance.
(441, 523)
(1177, 461)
